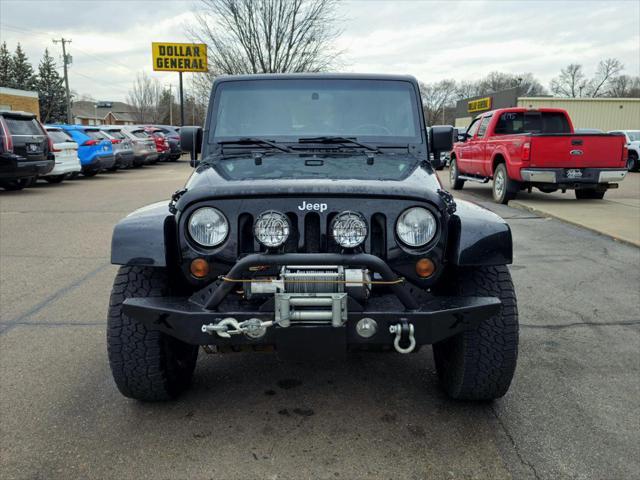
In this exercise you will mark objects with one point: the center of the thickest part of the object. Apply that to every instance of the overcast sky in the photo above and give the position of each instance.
(431, 40)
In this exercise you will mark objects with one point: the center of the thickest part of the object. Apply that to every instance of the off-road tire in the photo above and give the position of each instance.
(479, 364)
(146, 364)
(503, 188)
(454, 175)
(589, 194)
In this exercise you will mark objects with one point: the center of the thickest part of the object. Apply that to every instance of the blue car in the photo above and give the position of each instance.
(94, 148)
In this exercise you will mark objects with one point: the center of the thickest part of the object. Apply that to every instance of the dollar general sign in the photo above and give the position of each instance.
(179, 57)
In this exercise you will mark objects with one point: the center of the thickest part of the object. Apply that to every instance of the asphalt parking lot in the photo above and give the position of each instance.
(572, 412)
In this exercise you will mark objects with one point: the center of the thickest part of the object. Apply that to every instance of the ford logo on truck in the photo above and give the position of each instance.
(576, 152)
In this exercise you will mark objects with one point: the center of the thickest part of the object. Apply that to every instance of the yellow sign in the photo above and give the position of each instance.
(179, 57)
(479, 105)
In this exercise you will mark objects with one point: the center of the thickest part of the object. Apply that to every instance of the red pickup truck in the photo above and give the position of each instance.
(520, 148)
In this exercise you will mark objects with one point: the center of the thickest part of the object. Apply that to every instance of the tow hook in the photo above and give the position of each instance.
(252, 328)
(404, 333)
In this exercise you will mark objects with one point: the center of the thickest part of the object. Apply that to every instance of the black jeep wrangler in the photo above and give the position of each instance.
(313, 222)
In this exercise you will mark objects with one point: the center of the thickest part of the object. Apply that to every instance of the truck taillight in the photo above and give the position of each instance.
(526, 151)
(625, 154)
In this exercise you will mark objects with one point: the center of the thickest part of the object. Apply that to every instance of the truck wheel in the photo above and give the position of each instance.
(146, 364)
(632, 162)
(454, 176)
(589, 194)
(504, 189)
(479, 364)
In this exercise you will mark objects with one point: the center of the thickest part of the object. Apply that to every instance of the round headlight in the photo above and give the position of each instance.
(349, 229)
(416, 226)
(208, 227)
(272, 229)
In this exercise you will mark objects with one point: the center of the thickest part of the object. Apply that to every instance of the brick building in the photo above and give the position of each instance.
(102, 113)
(22, 100)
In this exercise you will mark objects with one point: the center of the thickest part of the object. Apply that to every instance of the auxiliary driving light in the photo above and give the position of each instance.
(349, 229)
(272, 228)
(366, 327)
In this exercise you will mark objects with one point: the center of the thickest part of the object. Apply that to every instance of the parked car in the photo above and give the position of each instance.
(633, 145)
(292, 239)
(122, 148)
(162, 144)
(65, 151)
(25, 150)
(144, 146)
(173, 137)
(94, 149)
(520, 148)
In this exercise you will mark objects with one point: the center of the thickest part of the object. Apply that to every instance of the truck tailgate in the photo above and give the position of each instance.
(577, 151)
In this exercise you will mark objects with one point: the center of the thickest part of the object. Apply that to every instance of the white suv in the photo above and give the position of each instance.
(633, 144)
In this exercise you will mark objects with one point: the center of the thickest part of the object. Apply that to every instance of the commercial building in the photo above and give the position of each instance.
(601, 113)
(102, 113)
(22, 100)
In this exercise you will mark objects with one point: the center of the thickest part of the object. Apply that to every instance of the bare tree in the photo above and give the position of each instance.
(571, 82)
(607, 70)
(624, 86)
(267, 36)
(436, 97)
(145, 97)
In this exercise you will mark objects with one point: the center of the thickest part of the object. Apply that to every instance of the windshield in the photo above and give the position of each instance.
(634, 136)
(286, 110)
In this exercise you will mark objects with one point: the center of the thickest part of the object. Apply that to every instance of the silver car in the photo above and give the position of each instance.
(144, 146)
(122, 146)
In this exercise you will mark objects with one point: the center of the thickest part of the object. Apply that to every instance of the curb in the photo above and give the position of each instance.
(522, 206)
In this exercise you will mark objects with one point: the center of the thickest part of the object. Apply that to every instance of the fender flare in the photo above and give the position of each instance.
(478, 237)
(144, 237)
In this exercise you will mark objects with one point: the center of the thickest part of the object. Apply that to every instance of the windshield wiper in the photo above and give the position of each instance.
(256, 141)
(331, 139)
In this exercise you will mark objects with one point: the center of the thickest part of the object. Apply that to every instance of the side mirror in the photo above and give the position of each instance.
(191, 141)
(441, 139)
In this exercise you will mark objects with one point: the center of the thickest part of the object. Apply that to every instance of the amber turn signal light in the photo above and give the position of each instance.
(199, 268)
(425, 267)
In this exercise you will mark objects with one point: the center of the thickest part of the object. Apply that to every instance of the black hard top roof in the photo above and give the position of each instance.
(316, 76)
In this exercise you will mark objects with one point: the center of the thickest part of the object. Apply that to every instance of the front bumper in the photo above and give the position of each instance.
(433, 318)
(572, 177)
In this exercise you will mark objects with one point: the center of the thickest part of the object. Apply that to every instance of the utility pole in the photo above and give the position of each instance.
(181, 102)
(65, 61)
(170, 105)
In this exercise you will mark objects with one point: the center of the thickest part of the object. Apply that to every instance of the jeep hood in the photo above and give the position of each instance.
(418, 182)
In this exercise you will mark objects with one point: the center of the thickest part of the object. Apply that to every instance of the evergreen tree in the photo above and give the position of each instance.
(5, 66)
(53, 106)
(21, 71)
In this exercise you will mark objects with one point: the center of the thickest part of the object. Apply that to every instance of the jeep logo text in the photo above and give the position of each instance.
(318, 207)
